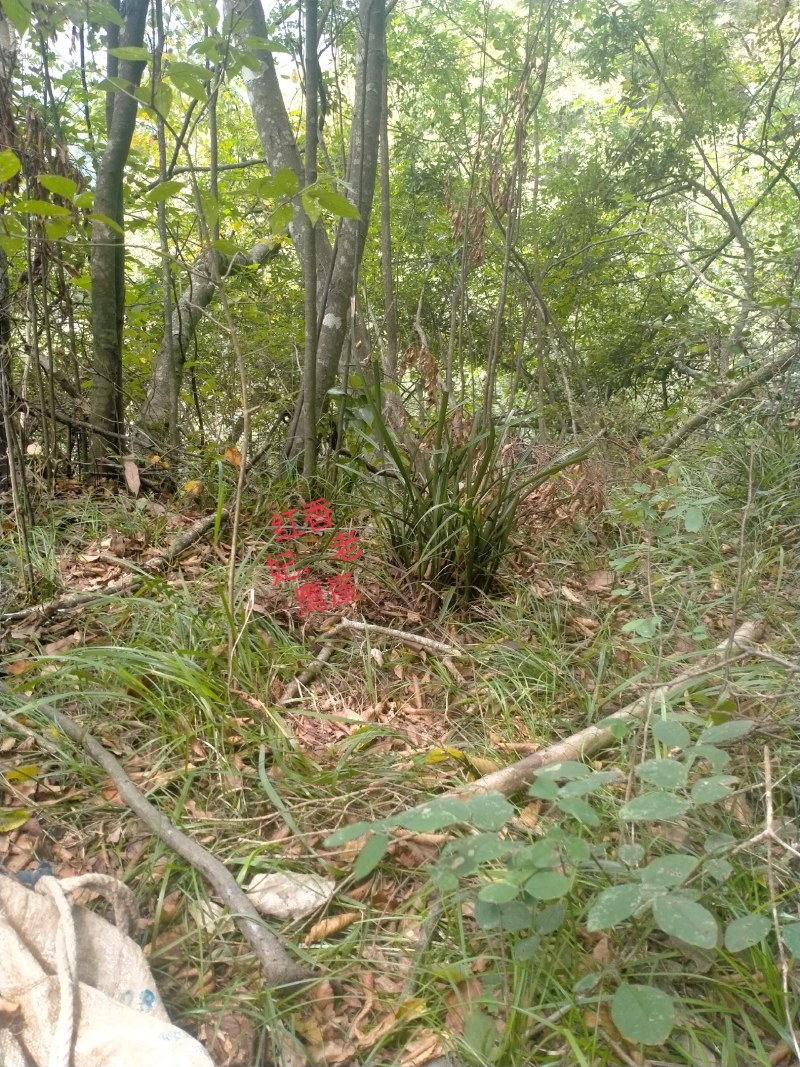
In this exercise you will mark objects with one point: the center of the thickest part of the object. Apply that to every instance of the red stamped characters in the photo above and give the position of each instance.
(313, 518)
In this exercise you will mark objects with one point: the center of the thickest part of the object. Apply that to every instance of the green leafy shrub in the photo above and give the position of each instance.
(660, 863)
(450, 512)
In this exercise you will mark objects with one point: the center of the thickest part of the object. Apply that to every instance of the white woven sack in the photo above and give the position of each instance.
(76, 991)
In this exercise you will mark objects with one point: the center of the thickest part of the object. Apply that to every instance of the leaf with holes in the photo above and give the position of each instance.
(685, 919)
(643, 1013)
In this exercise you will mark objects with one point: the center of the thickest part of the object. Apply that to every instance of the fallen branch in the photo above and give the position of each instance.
(129, 584)
(516, 776)
(763, 374)
(278, 967)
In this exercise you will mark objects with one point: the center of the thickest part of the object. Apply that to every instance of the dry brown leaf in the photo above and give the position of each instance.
(571, 595)
(131, 471)
(482, 765)
(334, 924)
(600, 581)
(233, 456)
(425, 1046)
(230, 1040)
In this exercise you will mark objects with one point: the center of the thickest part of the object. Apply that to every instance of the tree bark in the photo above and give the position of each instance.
(8, 51)
(280, 150)
(155, 415)
(107, 247)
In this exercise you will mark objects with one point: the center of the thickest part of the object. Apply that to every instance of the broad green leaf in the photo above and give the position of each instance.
(718, 869)
(726, 731)
(717, 757)
(579, 809)
(499, 892)
(577, 849)
(371, 855)
(11, 244)
(106, 221)
(664, 773)
(18, 13)
(547, 885)
(550, 919)
(163, 191)
(347, 833)
(746, 931)
(517, 916)
(642, 627)
(465, 857)
(643, 1013)
(790, 934)
(335, 202)
(57, 229)
(286, 181)
(130, 52)
(685, 919)
(527, 949)
(12, 819)
(489, 811)
(55, 183)
(227, 248)
(614, 905)
(671, 733)
(9, 165)
(544, 789)
(630, 854)
(281, 217)
(584, 786)
(654, 807)
(709, 790)
(41, 207)
(84, 200)
(487, 914)
(312, 208)
(543, 853)
(567, 769)
(668, 871)
(693, 520)
(190, 78)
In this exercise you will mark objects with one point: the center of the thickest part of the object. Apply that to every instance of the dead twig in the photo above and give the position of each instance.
(279, 969)
(516, 776)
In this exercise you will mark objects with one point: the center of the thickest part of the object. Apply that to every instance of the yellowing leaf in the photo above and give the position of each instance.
(194, 488)
(12, 820)
(23, 774)
(440, 755)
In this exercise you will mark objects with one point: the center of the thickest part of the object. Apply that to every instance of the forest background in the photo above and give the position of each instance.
(388, 320)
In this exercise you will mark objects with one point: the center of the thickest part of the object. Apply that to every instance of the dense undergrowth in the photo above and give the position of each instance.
(584, 617)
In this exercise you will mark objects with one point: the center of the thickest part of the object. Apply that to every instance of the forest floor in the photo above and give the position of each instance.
(619, 589)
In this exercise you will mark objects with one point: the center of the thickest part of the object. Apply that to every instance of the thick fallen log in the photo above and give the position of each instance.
(511, 779)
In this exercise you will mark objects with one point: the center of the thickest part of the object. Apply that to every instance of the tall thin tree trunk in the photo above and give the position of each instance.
(336, 285)
(107, 246)
(310, 262)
